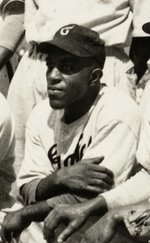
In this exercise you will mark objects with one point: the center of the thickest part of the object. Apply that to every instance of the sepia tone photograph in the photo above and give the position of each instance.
(74, 121)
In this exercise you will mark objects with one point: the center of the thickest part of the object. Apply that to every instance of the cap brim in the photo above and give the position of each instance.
(146, 28)
(73, 48)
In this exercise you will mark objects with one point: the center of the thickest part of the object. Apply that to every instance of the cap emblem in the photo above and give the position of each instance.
(66, 30)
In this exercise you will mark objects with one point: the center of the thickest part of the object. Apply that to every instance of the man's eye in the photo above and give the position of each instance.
(50, 65)
(66, 68)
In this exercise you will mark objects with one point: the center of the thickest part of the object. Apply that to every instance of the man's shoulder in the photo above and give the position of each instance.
(40, 114)
(115, 105)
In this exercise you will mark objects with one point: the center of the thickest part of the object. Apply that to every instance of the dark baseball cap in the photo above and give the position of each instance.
(77, 40)
(146, 27)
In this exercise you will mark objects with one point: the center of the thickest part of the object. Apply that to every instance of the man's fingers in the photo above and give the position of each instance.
(16, 234)
(97, 160)
(10, 236)
(50, 224)
(97, 189)
(6, 236)
(102, 169)
(100, 184)
(94, 189)
(99, 174)
(71, 228)
(96, 176)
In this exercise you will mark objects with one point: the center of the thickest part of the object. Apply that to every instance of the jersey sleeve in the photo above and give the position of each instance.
(12, 31)
(117, 143)
(119, 146)
(132, 191)
(36, 164)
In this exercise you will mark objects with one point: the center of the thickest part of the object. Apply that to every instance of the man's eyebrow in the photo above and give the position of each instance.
(70, 58)
(62, 58)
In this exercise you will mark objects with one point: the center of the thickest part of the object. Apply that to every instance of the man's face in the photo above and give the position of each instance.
(68, 78)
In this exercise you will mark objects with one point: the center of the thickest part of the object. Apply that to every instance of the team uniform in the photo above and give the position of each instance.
(131, 192)
(11, 35)
(113, 21)
(110, 128)
(11, 31)
(7, 143)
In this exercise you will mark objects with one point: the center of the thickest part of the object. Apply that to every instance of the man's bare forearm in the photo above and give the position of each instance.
(15, 222)
(49, 187)
(96, 206)
(35, 212)
(77, 179)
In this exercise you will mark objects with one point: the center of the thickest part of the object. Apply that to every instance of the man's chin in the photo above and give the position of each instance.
(56, 105)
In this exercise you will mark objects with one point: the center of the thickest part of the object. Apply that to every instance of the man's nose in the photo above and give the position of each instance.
(54, 76)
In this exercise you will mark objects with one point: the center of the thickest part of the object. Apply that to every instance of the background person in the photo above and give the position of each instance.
(7, 144)
(11, 34)
(139, 55)
(11, 42)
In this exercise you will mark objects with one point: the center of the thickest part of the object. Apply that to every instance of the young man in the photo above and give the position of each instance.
(111, 19)
(135, 217)
(68, 133)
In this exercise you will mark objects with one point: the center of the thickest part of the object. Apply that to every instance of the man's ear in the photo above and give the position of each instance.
(95, 76)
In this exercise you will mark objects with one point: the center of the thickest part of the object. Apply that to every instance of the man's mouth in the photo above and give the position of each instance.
(54, 91)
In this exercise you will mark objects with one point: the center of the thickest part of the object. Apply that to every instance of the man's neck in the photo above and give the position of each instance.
(79, 109)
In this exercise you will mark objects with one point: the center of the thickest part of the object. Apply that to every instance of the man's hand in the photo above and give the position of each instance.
(87, 175)
(99, 233)
(14, 223)
(74, 216)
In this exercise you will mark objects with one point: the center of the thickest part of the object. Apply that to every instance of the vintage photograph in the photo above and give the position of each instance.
(74, 121)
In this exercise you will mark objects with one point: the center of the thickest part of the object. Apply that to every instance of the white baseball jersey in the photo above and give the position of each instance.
(110, 128)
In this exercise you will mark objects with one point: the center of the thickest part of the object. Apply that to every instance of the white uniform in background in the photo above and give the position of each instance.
(9, 39)
(7, 156)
